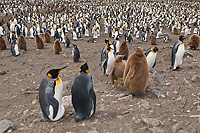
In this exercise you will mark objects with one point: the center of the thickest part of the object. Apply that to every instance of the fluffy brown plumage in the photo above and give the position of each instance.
(57, 47)
(22, 42)
(117, 68)
(194, 41)
(136, 73)
(153, 40)
(123, 49)
(175, 31)
(39, 42)
(2, 43)
(47, 37)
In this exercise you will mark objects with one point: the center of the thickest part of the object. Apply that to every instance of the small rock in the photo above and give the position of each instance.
(25, 115)
(151, 122)
(95, 131)
(6, 125)
(34, 101)
(142, 130)
(193, 130)
(175, 92)
(145, 104)
(158, 93)
(176, 127)
(126, 98)
(158, 78)
(157, 130)
(2, 72)
(67, 101)
(183, 131)
(196, 78)
(125, 112)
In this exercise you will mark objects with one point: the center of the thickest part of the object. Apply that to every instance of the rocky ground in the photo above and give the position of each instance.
(171, 103)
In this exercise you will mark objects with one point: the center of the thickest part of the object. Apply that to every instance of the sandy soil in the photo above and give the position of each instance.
(115, 111)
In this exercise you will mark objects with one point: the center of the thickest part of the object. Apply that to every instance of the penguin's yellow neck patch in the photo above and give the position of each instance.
(58, 81)
(154, 52)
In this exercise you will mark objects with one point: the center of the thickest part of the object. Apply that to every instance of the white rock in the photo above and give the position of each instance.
(151, 122)
(6, 125)
(67, 101)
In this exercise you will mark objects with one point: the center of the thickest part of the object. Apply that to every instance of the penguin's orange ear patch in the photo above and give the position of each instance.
(79, 70)
(87, 71)
(49, 75)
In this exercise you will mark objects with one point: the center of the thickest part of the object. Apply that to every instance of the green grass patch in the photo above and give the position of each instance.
(119, 81)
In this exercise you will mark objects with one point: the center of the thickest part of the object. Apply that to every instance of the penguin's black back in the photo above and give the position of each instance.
(76, 54)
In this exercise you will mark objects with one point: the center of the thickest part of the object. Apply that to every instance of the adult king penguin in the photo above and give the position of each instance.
(151, 57)
(177, 53)
(83, 95)
(75, 53)
(50, 96)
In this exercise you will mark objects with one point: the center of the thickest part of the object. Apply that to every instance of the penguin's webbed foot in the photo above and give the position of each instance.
(77, 119)
(45, 119)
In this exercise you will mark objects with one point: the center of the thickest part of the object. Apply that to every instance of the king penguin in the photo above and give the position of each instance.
(75, 53)
(14, 48)
(50, 96)
(151, 57)
(83, 95)
(177, 53)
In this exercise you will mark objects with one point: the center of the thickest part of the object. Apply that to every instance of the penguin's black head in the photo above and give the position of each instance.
(75, 46)
(181, 38)
(84, 68)
(106, 40)
(53, 73)
(155, 49)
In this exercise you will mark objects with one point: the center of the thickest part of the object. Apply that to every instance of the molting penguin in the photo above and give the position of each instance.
(2, 43)
(14, 48)
(50, 96)
(75, 53)
(39, 42)
(22, 42)
(117, 69)
(136, 73)
(83, 95)
(151, 57)
(123, 49)
(177, 53)
(57, 47)
(194, 41)
(153, 40)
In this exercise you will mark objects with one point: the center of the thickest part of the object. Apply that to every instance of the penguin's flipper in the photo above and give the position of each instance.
(103, 63)
(154, 64)
(148, 51)
(174, 50)
(55, 104)
(111, 72)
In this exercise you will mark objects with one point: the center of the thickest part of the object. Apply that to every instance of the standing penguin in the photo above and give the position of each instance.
(136, 73)
(50, 96)
(2, 43)
(47, 37)
(177, 53)
(110, 59)
(175, 31)
(14, 48)
(123, 49)
(67, 41)
(39, 42)
(151, 57)
(166, 38)
(117, 69)
(75, 53)
(22, 42)
(194, 41)
(83, 95)
(153, 39)
(57, 47)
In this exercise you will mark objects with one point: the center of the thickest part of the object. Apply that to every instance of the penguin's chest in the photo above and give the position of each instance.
(58, 89)
(151, 58)
(180, 52)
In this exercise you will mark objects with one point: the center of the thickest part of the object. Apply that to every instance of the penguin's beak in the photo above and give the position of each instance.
(62, 69)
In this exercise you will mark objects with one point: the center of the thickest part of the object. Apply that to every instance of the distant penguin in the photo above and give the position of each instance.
(117, 45)
(136, 73)
(39, 42)
(151, 57)
(95, 35)
(32, 32)
(177, 53)
(86, 32)
(67, 41)
(2, 31)
(92, 40)
(194, 41)
(74, 36)
(83, 95)
(2, 43)
(47, 37)
(22, 42)
(50, 96)
(123, 49)
(75, 53)
(166, 38)
(57, 47)
(110, 59)
(175, 31)
(153, 40)
(117, 69)
(14, 48)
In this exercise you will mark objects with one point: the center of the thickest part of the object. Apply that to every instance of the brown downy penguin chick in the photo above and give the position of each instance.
(153, 40)
(194, 41)
(2, 43)
(22, 42)
(57, 47)
(47, 37)
(123, 49)
(117, 69)
(39, 42)
(175, 31)
(136, 73)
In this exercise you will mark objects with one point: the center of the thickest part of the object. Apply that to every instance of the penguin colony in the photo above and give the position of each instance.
(61, 22)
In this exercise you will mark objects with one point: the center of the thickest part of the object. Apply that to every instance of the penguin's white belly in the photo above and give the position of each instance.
(16, 49)
(74, 36)
(58, 97)
(111, 58)
(151, 58)
(179, 56)
(86, 33)
(117, 47)
(95, 35)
